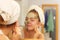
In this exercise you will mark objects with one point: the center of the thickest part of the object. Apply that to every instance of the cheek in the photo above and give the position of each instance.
(31, 27)
(34, 23)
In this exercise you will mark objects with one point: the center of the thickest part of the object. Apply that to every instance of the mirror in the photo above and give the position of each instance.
(50, 28)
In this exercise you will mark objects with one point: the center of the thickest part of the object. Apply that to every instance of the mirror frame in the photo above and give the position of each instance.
(56, 6)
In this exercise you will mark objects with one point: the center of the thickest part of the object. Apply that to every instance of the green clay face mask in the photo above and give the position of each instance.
(31, 15)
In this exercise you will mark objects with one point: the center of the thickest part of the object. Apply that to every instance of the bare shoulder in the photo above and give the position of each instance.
(41, 36)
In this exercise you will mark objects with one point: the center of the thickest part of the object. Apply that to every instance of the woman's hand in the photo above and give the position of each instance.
(38, 34)
(2, 36)
(17, 32)
(16, 29)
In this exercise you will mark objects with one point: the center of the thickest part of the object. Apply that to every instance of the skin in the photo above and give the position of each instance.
(31, 26)
(7, 29)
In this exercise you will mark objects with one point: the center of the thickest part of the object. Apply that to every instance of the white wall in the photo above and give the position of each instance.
(24, 7)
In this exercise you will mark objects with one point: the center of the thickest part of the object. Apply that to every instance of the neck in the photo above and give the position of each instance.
(30, 31)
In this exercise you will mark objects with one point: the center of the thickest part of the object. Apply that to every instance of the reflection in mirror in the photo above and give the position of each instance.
(50, 27)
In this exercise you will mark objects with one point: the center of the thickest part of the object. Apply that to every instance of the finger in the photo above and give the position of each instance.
(37, 30)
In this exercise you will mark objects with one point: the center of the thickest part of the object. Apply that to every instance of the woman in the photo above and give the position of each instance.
(33, 23)
(9, 13)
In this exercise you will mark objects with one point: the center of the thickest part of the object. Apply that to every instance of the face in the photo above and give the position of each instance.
(31, 21)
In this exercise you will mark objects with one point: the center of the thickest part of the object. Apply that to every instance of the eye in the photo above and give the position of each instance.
(32, 20)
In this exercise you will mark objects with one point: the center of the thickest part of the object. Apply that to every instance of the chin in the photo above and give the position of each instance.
(30, 29)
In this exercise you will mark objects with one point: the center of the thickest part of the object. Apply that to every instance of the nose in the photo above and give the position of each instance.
(28, 21)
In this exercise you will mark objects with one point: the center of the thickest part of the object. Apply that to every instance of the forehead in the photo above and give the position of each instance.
(32, 14)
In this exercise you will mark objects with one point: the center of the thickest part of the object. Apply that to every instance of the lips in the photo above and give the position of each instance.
(29, 24)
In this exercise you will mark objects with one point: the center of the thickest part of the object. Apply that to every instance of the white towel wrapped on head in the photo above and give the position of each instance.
(11, 9)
